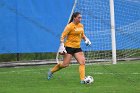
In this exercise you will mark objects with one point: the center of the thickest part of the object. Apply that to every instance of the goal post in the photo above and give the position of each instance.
(113, 37)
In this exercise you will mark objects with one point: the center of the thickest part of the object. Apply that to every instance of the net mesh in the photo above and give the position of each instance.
(96, 20)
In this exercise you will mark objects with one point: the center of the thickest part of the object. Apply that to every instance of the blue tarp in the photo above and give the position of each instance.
(28, 26)
(32, 25)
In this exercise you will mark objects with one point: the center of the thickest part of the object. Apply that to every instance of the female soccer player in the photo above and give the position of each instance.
(74, 32)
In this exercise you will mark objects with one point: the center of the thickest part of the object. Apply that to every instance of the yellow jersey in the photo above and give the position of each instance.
(74, 34)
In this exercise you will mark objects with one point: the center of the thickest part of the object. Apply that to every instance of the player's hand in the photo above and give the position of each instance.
(87, 42)
(62, 49)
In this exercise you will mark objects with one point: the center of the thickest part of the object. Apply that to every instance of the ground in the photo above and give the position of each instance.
(123, 77)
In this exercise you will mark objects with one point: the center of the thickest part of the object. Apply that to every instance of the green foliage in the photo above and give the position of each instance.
(26, 56)
(133, 53)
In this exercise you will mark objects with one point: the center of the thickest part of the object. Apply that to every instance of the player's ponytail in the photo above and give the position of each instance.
(75, 14)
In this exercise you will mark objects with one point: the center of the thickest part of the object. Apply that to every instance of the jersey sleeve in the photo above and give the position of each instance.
(65, 33)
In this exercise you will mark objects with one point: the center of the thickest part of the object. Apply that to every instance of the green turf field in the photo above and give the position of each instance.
(121, 78)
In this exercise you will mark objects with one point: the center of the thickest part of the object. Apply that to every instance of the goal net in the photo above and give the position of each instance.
(97, 26)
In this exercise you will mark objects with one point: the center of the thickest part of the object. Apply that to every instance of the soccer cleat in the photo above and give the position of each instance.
(82, 82)
(50, 74)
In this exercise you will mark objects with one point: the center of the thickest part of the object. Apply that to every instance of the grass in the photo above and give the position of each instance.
(123, 77)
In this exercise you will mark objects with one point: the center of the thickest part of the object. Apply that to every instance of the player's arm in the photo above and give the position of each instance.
(87, 41)
(62, 49)
(65, 33)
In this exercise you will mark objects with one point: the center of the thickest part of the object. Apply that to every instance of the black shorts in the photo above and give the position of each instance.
(73, 50)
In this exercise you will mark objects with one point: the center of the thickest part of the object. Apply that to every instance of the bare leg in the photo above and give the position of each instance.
(81, 59)
(66, 61)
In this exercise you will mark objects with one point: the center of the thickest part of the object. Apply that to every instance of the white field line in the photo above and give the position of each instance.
(40, 71)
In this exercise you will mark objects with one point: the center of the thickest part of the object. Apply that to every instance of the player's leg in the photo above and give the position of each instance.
(66, 61)
(79, 56)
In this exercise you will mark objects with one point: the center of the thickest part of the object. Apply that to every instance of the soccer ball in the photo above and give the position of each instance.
(88, 79)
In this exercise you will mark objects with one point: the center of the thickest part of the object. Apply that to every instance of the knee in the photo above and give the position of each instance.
(82, 62)
(64, 65)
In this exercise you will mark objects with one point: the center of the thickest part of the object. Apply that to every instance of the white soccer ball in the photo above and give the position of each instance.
(88, 80)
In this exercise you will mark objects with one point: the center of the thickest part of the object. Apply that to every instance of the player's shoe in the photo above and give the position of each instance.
(82, 82)
(50, 74)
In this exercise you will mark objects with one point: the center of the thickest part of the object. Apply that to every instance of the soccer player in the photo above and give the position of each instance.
(74, 32)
